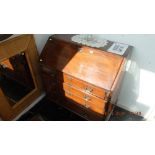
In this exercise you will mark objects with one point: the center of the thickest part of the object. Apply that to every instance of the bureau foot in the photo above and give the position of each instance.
(110, 113)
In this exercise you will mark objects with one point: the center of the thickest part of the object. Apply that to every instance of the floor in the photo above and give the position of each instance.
(47, 111)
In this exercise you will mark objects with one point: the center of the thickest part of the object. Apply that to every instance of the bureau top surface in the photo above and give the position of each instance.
(95, 41)
(88, 64)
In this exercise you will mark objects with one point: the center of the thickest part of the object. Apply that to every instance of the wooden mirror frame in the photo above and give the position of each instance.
(9, 48)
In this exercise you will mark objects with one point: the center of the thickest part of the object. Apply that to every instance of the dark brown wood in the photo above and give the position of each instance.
(78, 109)
(16, 68)
(80, 76)
(67, 39)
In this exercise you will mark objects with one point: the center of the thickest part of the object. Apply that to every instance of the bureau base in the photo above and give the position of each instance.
(83, 112)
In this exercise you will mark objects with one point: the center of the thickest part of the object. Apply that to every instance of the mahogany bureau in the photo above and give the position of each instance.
(82, 79)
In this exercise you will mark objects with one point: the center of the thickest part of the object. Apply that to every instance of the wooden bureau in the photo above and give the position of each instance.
(83, 79)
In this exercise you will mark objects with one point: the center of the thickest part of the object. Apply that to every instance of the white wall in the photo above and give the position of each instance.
(137, 93)
(41, 40)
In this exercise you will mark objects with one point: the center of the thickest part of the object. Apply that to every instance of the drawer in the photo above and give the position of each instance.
(63, 99)
(87, 97)
(96, 107)
(83, 86)
(82, 112)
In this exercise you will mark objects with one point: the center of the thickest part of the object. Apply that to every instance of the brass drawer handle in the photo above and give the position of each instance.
(69, 78)
(70, 84)
(86, 98)
(22, 53)
(88, 90)
(4, 66)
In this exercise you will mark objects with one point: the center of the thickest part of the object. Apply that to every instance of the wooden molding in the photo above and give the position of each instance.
(9, 48)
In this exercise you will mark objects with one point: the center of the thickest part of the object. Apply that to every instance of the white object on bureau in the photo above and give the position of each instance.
(92, 41)
(89, 40)
(118, 48)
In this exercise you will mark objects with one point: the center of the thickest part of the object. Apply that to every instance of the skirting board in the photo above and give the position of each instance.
(30, 106)
(130, 110)
(43, 95)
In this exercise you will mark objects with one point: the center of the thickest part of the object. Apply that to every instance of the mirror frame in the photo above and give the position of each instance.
(9, 48)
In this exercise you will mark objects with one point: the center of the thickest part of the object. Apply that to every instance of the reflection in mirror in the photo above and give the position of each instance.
(15, 78)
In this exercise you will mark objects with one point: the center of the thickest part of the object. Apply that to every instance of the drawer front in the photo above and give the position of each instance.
(87, 97)
(98, 108)
(79, 110)
(82, 112)
(83, 86)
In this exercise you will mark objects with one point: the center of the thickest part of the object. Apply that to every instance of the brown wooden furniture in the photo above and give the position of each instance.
(82, 79)
(16, 68)
(14, 55)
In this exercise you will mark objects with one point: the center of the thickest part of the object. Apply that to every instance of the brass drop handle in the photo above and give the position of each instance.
(22, 53)
(86, 98)
(70, 84)
(4, 66)
(88, 90)
(69, 78)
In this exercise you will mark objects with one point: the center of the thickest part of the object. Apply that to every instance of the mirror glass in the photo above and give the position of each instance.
(15, 78)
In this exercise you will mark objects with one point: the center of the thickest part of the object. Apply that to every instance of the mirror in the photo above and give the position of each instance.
(15, 78)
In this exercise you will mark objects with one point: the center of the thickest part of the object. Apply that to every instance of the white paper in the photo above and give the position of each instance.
(118, 48)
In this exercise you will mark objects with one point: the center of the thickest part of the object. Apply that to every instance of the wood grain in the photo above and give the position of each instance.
(86, 79)
(9, 48)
